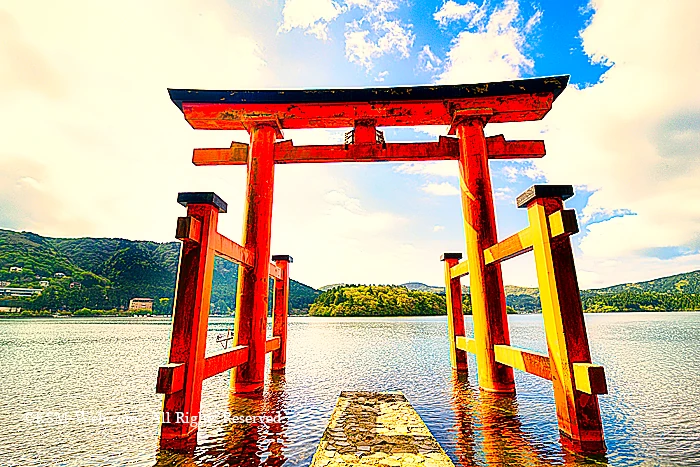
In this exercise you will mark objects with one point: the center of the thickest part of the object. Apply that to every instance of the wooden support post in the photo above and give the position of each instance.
(252, 296)
(190, 319)
(280, 312)
(486, 283)
(578, 413)
(455, 315)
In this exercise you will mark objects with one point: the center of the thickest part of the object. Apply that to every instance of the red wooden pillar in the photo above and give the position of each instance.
(280, 312)
(578, 413)
(252, 296)
(455, 314)
(486, 283)
(190, 317)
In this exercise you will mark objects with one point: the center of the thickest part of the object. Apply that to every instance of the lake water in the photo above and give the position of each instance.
(80, 392)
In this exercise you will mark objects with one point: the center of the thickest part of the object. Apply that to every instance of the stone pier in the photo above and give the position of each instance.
(382, 429)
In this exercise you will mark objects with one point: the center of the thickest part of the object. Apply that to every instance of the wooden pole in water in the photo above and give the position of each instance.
(281, 311)
(578, 413)
(486, 283)
(190, 318)
(252, 295)
(455, 314)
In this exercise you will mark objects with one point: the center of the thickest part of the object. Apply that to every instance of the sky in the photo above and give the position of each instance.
(91, 145)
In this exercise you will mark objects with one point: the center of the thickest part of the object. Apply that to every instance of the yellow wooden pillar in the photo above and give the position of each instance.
(578, 413)
(486, 282)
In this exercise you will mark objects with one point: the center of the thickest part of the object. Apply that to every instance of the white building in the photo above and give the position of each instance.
(15, 269)
(18, 292)
(141, 304)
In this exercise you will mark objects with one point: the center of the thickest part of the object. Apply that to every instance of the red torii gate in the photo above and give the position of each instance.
(466, 109)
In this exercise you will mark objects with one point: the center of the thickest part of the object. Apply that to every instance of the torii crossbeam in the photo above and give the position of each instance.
(466, 109)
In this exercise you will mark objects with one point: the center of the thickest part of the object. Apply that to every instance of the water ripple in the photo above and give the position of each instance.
(58, 377)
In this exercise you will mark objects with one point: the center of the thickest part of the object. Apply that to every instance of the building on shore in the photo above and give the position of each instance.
(136, 304)
(18, 292)
(15, 269)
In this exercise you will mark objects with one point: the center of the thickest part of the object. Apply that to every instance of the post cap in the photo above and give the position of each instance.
(544, 191)
(282, 258)
(445, 256)
(201, 197)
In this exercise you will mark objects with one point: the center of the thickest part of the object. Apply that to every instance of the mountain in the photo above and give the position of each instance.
(331, 286)
(677, 292)
(420, 287)
(688, 282)
(106, 273)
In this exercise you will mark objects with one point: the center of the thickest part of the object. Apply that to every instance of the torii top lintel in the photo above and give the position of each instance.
(510, 101)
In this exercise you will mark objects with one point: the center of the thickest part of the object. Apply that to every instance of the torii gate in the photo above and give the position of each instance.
(466, 108)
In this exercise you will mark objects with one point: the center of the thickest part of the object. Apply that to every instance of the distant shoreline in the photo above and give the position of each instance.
(64, 317)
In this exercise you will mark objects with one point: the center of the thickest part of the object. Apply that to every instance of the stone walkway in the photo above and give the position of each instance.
(382, 429)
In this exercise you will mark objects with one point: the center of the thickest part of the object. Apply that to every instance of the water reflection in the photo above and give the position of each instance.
(108, 366)
(254, 436)
(489, 432)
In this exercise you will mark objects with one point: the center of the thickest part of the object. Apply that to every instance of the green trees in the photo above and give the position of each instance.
(107, 272)
(379, 300)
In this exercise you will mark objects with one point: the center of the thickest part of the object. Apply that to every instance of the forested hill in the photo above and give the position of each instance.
(107, 272)
(673, 293)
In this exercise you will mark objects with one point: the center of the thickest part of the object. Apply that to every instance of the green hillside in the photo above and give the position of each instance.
(109, 272)
(379, 300)
(680, 292)
(688, 282)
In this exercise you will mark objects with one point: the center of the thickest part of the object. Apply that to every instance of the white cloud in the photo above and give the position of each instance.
(453, 11)
(521, 169)
(321, 220)
(86, 113)
(311, 15)
(438, 228)
(634, 138)
(440, 169)
(493, 52)
(503, 194)
(93, 146)
(381, 76)
(374, 36)
(440, 189)
(427, 60)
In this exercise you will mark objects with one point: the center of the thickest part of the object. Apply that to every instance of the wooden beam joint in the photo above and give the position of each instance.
(460, 117)
(530, 362)
(251, 121)
(189, 229)
(466, 344)
(460, 269)
(513, 246)
(563, 222)
(171, 378)
(222, 361)
(232, 251)
(272, 343)
(275, 271)
(590, 378)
